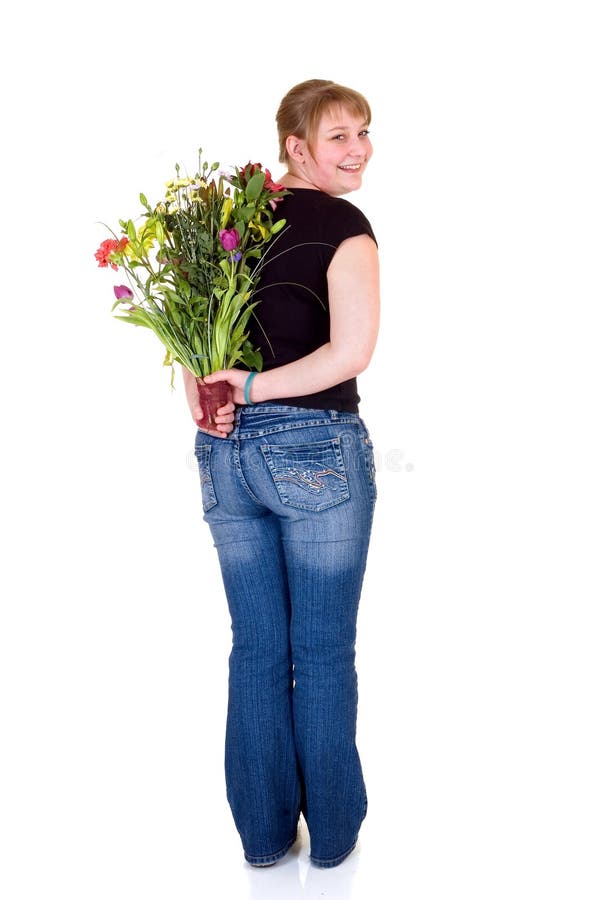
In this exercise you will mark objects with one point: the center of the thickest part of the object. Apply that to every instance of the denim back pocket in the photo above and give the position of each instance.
(308, 476)
(202, 454)
(371, 465)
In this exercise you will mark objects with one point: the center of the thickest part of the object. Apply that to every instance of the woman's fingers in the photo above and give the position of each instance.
(224, 420)
(227, 410)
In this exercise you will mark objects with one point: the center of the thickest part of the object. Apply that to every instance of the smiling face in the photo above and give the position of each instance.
(337, 156)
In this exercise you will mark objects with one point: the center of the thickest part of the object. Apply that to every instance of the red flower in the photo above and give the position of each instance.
(251, 168)
(107, 248)
(270, 185)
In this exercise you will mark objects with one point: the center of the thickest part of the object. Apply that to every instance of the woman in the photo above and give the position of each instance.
(289, 496)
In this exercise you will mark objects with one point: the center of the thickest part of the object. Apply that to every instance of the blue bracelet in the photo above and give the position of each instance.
(246, 389)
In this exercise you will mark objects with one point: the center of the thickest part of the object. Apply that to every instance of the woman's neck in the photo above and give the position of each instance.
(290, 180)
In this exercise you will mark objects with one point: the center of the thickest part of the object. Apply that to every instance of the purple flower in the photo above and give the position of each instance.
(237, 256)
(122, 292)
(229, 238)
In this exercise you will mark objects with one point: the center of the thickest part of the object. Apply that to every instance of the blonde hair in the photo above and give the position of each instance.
(302, 108)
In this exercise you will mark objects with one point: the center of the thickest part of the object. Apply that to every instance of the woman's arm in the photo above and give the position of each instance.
(353, 285)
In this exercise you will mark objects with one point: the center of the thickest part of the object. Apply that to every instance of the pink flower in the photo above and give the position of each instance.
(122, 292)
(229, 238)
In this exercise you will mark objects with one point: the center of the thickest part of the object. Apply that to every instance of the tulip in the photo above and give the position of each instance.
(229, 238)
(122, 292)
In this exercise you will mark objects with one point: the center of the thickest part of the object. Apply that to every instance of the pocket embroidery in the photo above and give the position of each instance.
(308, 476)
(371, 465)
(202, 454)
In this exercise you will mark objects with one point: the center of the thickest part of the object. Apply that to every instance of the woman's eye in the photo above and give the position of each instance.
(341, 137)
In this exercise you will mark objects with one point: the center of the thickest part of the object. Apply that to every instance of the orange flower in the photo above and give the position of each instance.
(107, 248)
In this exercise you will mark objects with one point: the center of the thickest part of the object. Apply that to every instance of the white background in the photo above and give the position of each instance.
(477, 651)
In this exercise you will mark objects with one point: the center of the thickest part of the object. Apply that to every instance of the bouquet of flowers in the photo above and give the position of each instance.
(193, 266)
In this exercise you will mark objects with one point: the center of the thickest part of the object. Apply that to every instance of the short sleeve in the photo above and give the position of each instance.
(345, 221)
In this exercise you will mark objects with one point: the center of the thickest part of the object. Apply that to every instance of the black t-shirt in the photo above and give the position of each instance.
(292, 316)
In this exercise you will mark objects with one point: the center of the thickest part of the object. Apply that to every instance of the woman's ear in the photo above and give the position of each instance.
(296, 148)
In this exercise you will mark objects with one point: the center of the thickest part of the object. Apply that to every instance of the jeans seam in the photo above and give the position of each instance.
(326, 863)
(245, 433)
(271, 857)
(275, 429)
(241, 476)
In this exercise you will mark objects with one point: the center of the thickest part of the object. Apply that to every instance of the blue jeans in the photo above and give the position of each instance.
(289, 498)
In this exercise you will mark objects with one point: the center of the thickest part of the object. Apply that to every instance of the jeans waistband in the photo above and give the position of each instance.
(266, 418)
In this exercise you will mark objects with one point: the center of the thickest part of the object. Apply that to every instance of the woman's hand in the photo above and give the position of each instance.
(236, 378)
(225, 415)
(224, 419)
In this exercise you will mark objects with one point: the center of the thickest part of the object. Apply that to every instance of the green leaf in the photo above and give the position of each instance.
(175, 297)
(251, 357)
(133, 321)
(184, 288)
(255, 186)
(249, 211)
